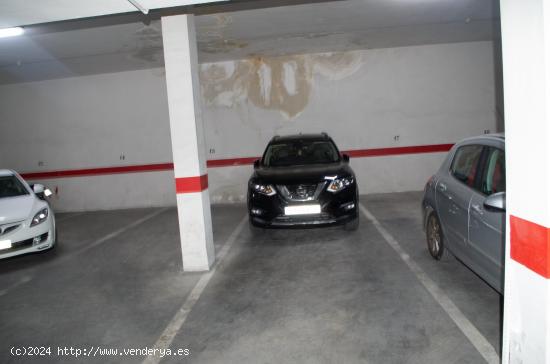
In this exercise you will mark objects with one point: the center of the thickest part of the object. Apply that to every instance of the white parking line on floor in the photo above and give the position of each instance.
(175, 325)
(468, 329)
(23, 280)
(113, 234)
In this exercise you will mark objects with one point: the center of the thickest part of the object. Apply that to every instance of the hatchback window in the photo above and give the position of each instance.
(300, 152)
(494, 175)
(10, 186)
(465, 164)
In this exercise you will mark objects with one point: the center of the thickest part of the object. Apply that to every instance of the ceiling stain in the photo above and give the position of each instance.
(214, 29)
(148, 45)
(282, 84)
(221, 46)
(211, 36)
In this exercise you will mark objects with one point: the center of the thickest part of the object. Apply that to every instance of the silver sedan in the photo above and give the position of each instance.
(464, 207)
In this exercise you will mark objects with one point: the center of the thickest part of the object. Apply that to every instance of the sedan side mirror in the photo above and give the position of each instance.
(38, 188)
(496, 201)
(41, 191)
(345, 158)
(256, 164)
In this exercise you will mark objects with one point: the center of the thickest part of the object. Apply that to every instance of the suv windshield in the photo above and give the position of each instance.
(300, 152)
(10, 186)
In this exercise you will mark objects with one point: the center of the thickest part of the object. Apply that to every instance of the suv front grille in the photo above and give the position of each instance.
(301, 192)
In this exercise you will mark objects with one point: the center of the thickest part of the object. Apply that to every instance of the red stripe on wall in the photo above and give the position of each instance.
(530, 245)
(230, 162)
(192, 184)
(357, 153)
(99, 171)
(418, 149)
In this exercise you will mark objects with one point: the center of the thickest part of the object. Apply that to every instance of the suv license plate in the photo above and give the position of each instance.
(302, 210)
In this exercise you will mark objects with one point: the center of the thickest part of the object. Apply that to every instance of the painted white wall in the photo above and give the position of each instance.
(425, 94)
(88, 122)
(432, 94)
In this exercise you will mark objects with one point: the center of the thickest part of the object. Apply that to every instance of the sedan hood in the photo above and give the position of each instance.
(14, 209)
(301, 174)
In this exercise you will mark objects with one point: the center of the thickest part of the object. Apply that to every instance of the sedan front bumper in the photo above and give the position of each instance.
(27, 239)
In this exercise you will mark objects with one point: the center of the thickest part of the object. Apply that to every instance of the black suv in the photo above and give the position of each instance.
(302, 180)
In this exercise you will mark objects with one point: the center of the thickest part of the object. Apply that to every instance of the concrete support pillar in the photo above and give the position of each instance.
(188, 145)
(526, 62)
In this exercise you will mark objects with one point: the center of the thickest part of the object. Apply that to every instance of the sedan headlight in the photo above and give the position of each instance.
(338, 184)
(267, 190)
(40, 217)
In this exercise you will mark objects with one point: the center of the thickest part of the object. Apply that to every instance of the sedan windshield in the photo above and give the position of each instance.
(10, 186)
(300, 152)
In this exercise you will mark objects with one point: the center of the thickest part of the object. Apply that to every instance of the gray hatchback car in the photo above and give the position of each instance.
(464, 207)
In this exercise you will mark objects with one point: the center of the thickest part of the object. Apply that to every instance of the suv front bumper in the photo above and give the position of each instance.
(269, 211)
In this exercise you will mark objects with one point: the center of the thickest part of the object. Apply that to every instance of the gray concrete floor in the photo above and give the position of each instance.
(285, 296)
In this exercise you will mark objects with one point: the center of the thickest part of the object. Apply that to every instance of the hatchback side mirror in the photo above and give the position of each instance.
(256, 164)
(345, 158)
(496, 201)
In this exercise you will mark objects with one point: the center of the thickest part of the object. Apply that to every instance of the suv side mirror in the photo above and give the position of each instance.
(496, 201)
(256, 164)
(345, 158)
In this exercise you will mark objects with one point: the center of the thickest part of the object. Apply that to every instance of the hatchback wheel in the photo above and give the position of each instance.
(434, 237)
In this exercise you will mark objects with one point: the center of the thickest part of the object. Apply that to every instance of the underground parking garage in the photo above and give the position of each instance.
(270, 181)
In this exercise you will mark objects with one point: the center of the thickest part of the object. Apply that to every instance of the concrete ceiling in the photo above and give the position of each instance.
(25, 12)
(127, 43)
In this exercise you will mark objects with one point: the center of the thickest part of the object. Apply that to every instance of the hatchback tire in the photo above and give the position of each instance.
(435, 239)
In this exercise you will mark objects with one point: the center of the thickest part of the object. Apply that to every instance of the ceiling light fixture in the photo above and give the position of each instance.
(11, 32)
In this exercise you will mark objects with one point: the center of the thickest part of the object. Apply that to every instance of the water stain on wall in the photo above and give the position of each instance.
(337, 66)
(283, 84)
(225, 84)
(271, 87)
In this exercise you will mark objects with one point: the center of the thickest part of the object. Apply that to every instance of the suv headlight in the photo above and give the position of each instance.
(267, 190)
(339, 184)
(40, 217)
